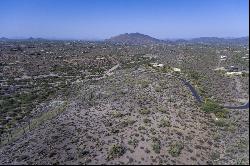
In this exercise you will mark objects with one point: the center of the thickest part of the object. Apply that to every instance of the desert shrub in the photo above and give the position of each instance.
(211, 106)
(223, 113)
(9, 104)
(216, 136)
(221, 122)
(133, 142)
(153, 131)
(141, 128)
(144, 83)
(231, 127)
(215, 155)
(194, 75)
(144, 111)
(146, 120)
(177, 73)
(156, 147)
(242, 143)
(127, 122)
(116, 114)
(175, 149)
(158, 88)
(164, 122)
(27, 97)
(166, 69)
(116, 151)
(162, 110)
(245, 74)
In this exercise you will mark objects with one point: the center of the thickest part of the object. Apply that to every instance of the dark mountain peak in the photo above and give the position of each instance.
(134, 39)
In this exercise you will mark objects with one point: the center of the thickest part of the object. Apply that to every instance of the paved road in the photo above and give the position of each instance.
(192, 89)
(200, 100)
(246, 106)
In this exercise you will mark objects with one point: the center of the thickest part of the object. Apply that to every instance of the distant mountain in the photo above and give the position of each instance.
(3, 39)
(217, 40)
(21, 39)
(35, 39)
(241, 40)
(31, 38)
(135, 39)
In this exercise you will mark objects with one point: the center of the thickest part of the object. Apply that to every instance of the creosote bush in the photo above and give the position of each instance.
(175, 149)
(210, 106)
(116, 151)
(144, 111)
(164, 122)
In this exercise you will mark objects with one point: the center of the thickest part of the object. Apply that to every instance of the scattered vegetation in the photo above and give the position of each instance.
(144, 83)
(210, 106)
(166, 69)
(158, 88)
(141, 128)
(144, 111)
(164, 122)
(116, 151)
(116, 114)
(156, 146)
(215, 155)
(133, 142)
(175, 149)
(127, 122)
(135, 104)
(223, 113)
(146, 120)
(221, 122)
(245, 74)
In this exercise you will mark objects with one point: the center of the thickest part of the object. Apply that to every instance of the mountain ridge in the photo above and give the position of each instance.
(135, 39)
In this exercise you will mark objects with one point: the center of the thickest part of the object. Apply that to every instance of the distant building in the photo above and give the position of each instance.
(223, 57)
(176, 69)
(245, 58)
(232, 69)
(234, 73)
(157, 65)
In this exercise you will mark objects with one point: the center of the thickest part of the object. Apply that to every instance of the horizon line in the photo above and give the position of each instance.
(101, 39)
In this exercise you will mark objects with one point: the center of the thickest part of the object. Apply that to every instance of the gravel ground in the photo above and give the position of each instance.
(151, 119)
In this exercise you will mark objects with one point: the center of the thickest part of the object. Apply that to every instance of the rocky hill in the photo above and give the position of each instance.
(135, 39)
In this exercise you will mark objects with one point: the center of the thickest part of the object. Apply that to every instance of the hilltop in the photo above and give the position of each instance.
(134, 39)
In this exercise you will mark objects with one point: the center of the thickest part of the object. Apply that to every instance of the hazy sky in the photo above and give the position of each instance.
(99, 19)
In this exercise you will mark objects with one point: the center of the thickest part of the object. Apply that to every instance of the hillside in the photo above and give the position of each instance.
(96, 103)
(134, 39)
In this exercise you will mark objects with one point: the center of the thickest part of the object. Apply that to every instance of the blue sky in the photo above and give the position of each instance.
(99, 19)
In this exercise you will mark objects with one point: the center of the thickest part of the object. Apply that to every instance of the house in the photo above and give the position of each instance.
(177, 69)
(157, 65)
(234, 73)
(233, 69)
(223, 57)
